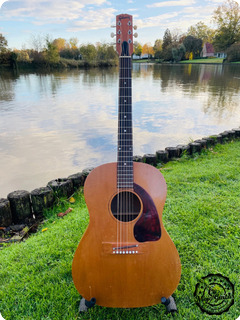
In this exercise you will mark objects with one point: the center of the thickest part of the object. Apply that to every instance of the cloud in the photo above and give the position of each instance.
(160, 20)
(183, 18)
(171, 3)
(42, 11)
(94, 19)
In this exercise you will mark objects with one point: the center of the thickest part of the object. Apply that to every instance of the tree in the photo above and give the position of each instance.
(157, 48)
(60, 43)
(105, 52)
(227, 18)
(233, 53)
(3, 43)
(88, 52)
(51, 52)
(137, 48)
(167, 39)
(167, 46)
(37, 42)
(179, 52)
(201, 31)
(73, 43)
(193, 45)
(147, 49)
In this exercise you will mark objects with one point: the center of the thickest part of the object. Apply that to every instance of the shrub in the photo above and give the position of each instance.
(233, 53)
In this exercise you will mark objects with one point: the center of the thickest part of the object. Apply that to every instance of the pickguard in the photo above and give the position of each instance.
(147, 228)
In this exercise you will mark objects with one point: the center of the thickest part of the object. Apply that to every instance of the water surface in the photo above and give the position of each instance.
(53, 125)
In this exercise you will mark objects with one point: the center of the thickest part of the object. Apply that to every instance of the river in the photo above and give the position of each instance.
(56, 124)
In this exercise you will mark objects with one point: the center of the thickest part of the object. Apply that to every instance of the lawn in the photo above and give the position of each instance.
(201, 214)
(210, 60)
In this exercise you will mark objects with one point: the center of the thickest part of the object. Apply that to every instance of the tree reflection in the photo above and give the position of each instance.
(7, 83)
(220, 83)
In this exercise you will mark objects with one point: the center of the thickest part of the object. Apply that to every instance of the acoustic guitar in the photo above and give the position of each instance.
(125, 258)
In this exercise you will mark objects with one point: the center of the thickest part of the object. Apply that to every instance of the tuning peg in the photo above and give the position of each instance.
(135, 35)
(113, 26)
(135, 27)
(113, 34)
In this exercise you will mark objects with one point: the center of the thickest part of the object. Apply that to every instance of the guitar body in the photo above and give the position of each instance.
(126, 264)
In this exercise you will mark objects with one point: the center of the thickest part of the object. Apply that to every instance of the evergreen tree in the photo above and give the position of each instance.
(167, 40)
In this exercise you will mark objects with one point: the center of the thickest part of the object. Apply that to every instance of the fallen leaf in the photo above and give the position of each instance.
(62, 214)
(44, 229)
(72, 200)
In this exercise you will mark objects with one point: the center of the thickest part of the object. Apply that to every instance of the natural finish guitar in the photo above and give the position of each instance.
(126, 258)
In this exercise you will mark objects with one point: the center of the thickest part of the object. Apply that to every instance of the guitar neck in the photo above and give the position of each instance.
(125, 139)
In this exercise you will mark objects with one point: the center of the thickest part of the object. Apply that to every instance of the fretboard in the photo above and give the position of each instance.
(125, 141)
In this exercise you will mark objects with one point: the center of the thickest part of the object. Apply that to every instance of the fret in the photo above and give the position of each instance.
(125, 112)
(127, 139)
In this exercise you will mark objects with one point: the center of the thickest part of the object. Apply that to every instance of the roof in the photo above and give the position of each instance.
(209, 47)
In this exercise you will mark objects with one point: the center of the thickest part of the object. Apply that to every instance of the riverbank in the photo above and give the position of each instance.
(194, 61)
(60, 65)
(201, 215)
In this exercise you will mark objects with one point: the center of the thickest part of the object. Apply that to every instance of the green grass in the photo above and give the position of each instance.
(144, 60)
(201, 215)
(210, 60)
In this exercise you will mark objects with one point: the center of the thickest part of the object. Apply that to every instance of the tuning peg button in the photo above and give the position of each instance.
(113, 26)
(135, 27)
(135, 35)
(113, 34)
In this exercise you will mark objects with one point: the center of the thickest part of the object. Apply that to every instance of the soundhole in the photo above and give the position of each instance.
(125, 206)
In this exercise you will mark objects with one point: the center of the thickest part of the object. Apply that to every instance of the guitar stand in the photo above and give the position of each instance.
(169, 303)
(85, 304)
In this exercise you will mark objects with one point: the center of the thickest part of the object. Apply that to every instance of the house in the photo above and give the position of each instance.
(142, 56)
(208, 50)
(222, 55)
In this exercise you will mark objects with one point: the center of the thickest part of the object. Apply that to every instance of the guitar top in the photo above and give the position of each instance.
(125, 258)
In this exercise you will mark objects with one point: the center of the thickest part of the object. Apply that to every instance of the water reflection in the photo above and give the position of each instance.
(56, 124)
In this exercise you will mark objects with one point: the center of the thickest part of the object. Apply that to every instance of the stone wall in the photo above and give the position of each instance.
(22, 206)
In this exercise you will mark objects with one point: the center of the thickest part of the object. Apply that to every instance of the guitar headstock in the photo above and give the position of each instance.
(124, 35)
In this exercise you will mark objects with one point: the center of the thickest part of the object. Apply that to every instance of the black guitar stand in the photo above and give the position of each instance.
(85, 304)
(168, 302)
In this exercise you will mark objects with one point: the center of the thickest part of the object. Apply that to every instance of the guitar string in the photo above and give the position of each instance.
(125, 172)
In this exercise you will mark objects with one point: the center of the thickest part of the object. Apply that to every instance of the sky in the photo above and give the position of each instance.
(90, 20)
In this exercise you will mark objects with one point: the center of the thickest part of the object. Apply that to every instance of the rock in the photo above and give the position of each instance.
(61, 187)
(173, 152)
(42, 198)
(5, 213)
(77, 180)
(20, 205)
(183, 149)
(137, 158)
(162, 156)
(150, 159)
(86, 173)
(195, 147)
